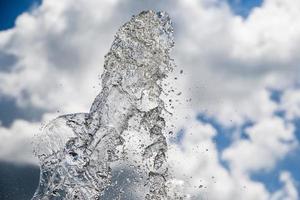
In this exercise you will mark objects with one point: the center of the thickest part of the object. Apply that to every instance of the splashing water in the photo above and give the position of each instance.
(79, 153)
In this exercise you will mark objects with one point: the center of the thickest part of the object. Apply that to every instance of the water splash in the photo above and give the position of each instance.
(79, 153)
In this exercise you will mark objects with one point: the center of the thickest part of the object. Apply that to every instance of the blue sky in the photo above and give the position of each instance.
(230, 133)
(244, 7)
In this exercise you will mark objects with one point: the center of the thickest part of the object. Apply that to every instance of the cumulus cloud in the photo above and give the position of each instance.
(290, 103)
(225, 58)
(229, 58)
(289, 191)
(17, 139)
(59, 48)
(52, 59)
(269, 140)
(197, 163)
(204, 174)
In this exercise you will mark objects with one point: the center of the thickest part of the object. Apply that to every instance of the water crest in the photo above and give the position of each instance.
(87, 155)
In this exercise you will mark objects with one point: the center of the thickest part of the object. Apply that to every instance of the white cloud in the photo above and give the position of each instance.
(196, 162)
(290, 103)
(60, 49)
(270, 31)
(255, 108)
(16, 140)
(269, 141)
(289, 191)
(228, 58)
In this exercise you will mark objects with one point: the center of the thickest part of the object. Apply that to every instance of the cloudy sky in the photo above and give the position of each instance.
(238, 121)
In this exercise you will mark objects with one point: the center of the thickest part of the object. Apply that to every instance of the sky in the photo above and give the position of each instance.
(238, 119)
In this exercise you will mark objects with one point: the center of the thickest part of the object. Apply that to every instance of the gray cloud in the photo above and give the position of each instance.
(7, 61)
(10, 111)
